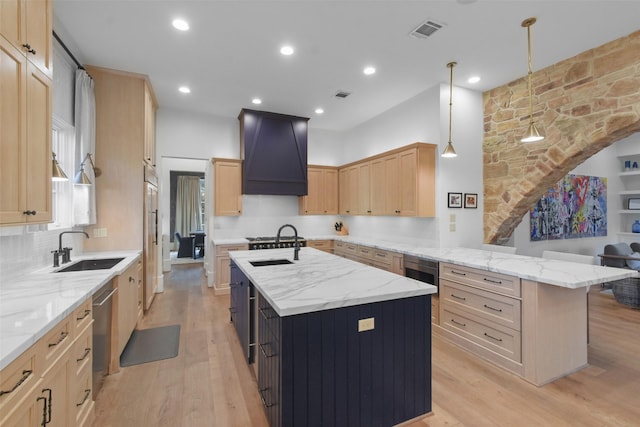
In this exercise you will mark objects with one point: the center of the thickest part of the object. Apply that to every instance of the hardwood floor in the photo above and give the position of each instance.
(209, 384)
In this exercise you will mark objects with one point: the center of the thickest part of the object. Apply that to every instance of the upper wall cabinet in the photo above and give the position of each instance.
(150, 108)
(227, 184)
(27, 24)
(25, 133)
(322, 198)
(400, 182)
(274, 149)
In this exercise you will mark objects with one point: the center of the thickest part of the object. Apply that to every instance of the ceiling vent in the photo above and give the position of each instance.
(342, 94)
(427, 29)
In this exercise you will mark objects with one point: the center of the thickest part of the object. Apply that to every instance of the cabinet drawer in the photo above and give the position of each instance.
(82, 352)
(323, 245)
(495, 337)
(495, 282)
(487, 305)
(18, 378)
(223, 250)
(57, 341)
(82, 316)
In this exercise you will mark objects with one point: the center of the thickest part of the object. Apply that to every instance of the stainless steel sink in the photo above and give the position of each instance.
(270, 262)
(91, 264)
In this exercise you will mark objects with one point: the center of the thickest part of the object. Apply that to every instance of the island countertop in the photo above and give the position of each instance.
(321, 281)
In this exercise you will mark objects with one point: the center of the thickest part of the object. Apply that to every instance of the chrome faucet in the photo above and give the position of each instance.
(64, 252)
(296, 245)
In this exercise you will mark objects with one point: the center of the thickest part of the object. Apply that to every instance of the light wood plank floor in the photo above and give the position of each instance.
(209, 384)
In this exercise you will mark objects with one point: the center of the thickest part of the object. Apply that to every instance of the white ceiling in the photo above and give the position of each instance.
(231, 54)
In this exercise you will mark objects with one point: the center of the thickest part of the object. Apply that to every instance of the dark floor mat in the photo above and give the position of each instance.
(149, 345)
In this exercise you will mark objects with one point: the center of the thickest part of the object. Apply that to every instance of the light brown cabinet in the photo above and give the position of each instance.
(28, 25)
(322, 196)
(321, 245)
(127, 303)
(399, 182)
(374, 257)
(227, 187)
(149, 127)
(222, 270)
(25, 132)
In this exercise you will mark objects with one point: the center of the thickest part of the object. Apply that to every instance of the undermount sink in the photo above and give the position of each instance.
(91, 264)
(270, 262)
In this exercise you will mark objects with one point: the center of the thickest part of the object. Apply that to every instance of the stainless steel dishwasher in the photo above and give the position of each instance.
(102, 306)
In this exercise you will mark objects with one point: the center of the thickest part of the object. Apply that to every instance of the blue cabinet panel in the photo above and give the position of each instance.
(241, 310)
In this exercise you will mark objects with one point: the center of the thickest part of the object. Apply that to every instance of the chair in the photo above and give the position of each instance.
(198, 244)
(621, 255)
(499, 248)
(186, 248)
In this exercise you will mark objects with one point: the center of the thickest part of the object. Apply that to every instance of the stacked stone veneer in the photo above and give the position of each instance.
(581, 105)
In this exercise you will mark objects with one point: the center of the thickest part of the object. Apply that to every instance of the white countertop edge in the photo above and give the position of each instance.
(12, 347)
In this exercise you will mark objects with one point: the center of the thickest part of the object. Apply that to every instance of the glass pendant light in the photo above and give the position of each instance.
(449, 151)
(532, 134)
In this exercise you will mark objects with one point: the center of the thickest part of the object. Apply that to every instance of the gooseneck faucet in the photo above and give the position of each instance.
(64, 252)
(296, 245)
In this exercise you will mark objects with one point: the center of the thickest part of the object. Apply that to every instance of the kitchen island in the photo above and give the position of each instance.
(336, 341)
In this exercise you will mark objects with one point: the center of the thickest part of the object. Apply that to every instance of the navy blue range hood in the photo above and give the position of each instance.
(273, 148)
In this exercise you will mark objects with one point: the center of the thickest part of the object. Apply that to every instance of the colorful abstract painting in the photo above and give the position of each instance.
(575, 207)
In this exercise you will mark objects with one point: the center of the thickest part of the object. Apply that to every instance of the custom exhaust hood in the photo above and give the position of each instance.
(273, 148)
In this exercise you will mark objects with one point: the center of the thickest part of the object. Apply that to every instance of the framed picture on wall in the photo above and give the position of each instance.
(470, 200)
(454, 200)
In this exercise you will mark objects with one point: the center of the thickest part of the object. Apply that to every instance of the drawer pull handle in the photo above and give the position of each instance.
(25, 375)
(366, 251)
(458, 323)
(497, 282)
(87, 392)
(85, 314)
(84, 356)
(458, 273)
(499, 310)
(264, 353)
(493, 338)
(264, 401)
(61, 338)
(459, 298)
(381, 255)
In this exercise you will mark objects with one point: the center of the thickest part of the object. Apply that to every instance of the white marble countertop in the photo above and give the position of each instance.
(321, 281)
(230, 241)
(32, 305)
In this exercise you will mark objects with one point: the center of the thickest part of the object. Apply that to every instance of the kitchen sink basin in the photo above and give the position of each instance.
(91, 264)
(270, 262)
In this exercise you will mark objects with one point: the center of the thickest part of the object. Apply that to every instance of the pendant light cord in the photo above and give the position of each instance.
(530, 73)
(450, 65)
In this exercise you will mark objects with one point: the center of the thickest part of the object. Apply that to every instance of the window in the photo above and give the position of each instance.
(63, 144)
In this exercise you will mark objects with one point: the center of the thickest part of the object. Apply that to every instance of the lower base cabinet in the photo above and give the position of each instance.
(317, 369)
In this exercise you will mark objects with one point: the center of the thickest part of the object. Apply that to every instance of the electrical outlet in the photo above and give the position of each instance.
(452, 218)
(99, 232)
(452, 227)
(366, 324)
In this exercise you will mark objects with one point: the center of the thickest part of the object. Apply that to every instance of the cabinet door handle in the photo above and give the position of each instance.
(499, 310)
(493, 338)
(458, 273)
(87, 392)
(49, 405)
(25, 375)
(458, 323)
(497, 282)
(61, 338)
(44, 410)
(29, 212)
(84, 356)
(85, 314)
(234, 284)
(459, 298)
(131, 279)
(27, 46)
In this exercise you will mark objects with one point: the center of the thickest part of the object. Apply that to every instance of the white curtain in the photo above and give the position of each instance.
(188, 205)
(84, 196)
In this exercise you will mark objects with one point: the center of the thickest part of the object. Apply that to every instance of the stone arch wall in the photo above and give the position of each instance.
(582, 105)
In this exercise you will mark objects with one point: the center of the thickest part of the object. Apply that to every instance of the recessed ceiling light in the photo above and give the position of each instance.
(256, 101)
(184, 89)
(286, 50)
(319, 111)
(180, 24)
(474, 79)
(369, 70)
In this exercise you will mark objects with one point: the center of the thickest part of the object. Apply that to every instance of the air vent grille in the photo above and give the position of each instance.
(342, 94)
(427, 29)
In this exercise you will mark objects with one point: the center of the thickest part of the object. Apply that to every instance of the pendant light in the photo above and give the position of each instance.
(532, 134)
(449, 151)
(57, 174)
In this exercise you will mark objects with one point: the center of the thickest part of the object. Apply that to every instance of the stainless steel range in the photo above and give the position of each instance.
(269, 242)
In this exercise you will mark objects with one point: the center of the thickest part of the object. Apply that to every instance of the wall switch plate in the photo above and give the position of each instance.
(366, 324)
(452, 227)
(452, 218)
(99, 232)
